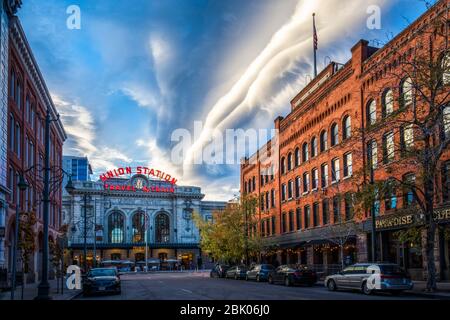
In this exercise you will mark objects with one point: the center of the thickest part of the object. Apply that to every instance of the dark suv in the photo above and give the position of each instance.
(219, 271)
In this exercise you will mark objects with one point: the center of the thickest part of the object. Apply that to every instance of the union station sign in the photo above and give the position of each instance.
(139, 182)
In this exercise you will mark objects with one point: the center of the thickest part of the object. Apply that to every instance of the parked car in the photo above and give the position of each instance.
(392, 278)
(102, 280)
(292, 275)
(259, 272)
(219, 271)
(236, 272)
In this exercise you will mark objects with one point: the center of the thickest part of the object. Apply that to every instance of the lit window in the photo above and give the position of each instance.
(388, 103)
(347, 127)
(406, 92)
(371, 113)
(335, 170)
(334, 134)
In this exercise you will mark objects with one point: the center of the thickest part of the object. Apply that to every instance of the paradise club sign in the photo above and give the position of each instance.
(138, 183)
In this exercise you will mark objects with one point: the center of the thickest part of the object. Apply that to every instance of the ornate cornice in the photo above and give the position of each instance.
(21, 44)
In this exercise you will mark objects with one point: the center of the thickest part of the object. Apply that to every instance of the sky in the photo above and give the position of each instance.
(136, 71)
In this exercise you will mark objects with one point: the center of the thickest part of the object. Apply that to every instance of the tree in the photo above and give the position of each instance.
(230, 236)
(27, 237)
(420, 76)
(57, 252)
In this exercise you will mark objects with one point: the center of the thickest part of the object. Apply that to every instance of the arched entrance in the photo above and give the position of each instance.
(138, 225)
(162, 228)
(116, 227)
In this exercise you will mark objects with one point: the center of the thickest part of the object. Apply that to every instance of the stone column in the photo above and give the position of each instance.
(436, 255)
(361, 247)
(310, 255)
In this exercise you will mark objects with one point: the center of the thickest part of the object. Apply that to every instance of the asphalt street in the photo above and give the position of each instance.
(199, 286)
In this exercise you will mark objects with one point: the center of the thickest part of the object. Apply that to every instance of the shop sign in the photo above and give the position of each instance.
(395, 221)
(442, 214)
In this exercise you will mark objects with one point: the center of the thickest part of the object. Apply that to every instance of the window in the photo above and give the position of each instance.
(254, 184)
(305, 182)
(348, 165)
(390, 197)
(445, 176)
(307, 211)
(348, 206)
(446, 69)
(313, 147)
(446, 121)
(325, 212)
(12, 85)
(261, 202)
(162, 228)
(268, 226)
(324, 175)
(406, 92)
(19, 91)
(17, 142)
(323, 141)
(388, 147)
(116, 227)
(27, 108)
(263, 228)
(305, 152)
(347, 127)
(12, 130)
(290, 189)
(289, 162)
(371, 113)
(388, 103)
(283, 165)
(316, 214)
(315, 178)
(283, 192)
(274, 220)
(408, 187)
(335, 170)
(334, 134)
(138, 222)
(297, 157)
(372, 153)
(291, 221)
(245, 187)
(283, 222)
(267, 200)
(297, 187)
(298, 213)
(272, 198)
(407, 139)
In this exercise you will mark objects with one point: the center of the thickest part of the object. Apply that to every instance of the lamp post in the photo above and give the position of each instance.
(86, 199)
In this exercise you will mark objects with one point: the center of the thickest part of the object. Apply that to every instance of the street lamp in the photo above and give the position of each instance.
(22, 185)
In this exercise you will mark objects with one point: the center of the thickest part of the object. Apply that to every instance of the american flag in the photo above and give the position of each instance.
(316, 41)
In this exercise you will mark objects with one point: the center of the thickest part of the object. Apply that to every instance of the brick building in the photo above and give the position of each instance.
(29, 101)
(306, 183)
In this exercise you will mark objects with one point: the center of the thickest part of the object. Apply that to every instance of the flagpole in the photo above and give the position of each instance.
(315, 44)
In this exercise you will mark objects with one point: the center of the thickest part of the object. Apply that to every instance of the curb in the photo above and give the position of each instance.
(76, 295)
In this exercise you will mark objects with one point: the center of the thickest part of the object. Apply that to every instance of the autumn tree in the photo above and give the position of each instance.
(27, 237)
(230, 236)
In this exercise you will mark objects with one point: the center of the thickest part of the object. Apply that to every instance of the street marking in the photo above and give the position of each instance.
(185, 290)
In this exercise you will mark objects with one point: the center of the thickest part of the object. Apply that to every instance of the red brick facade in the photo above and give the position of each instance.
(331, 117)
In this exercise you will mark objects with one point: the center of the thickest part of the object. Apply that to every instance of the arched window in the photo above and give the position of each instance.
(305, 152)
(297, 157)
(347, 127)
(289, 162)
(446, 121)
(138, 223)
(406, 92)
(371, 111)
(162, 227)
(283, 165)
(313, 147)
(334, 134)
(116, 227)
(446, 69)
(388, 103)
(323, 141)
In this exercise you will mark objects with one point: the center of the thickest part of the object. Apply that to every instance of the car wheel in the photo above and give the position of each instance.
(235, 277)
(287, 282)
(331, 285)
(365, 289)
(257, 278)
(270, 280)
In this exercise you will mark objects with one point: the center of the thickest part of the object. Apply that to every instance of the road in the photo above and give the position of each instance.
(199, 286)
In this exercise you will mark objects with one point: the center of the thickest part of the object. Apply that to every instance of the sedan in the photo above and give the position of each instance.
(369, 278)
(236, 272)
(259, 272)
(101, 280)
(291, 275)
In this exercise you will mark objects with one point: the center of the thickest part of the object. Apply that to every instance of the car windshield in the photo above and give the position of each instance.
(102, 273)
(391, 270)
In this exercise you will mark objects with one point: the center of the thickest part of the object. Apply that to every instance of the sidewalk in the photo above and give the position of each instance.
(31, 290)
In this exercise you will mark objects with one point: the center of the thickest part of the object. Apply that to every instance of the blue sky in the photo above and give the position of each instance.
(137, 70)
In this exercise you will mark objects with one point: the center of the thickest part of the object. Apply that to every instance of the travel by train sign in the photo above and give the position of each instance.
(139, 182)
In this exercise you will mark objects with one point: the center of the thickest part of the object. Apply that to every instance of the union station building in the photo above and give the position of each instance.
(305, 177)
(131, 210)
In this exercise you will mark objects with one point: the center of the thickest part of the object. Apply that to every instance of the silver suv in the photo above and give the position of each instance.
(370, 278)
